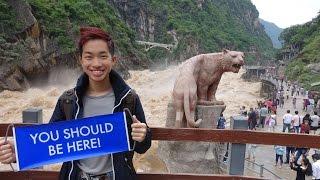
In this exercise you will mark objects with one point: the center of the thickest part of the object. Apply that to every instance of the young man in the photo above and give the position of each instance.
(296, 121)
(287, 121)
(314, 122)
(294, 102)
(316, 166)
(252, 119)
(99, 90)
(263, 115)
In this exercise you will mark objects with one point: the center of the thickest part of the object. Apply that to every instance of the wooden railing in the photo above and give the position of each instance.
(186, 134)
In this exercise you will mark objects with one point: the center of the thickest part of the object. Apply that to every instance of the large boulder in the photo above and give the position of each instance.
(12, 79)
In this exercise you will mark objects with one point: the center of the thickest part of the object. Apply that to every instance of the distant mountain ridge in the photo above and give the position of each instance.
(273, 32)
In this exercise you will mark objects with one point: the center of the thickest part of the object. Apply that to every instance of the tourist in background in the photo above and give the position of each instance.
(303, 170)
(318, 106)
(260, 104)
(316, 166)
(307, 117)
(281, 100)
(287, 94)
(314, 122)
(302, 91)
(245, 115)
(290, 150)
(279, 154)
(274, 106)
(305, 103)
(252, 119)
(222, 125)
(278, 98)
(287, 120)
(294, 102)
(296, 121)
(272, 122)
(292, 90)
(257, 111)
(305, 127)
(268, 104)
(221, 122)
(316, 99)
(252, 151)
(310, 105)
(299, 152)
(242, 110)
(263, 115)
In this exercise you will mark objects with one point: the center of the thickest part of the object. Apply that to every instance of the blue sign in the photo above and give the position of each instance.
(39, 145)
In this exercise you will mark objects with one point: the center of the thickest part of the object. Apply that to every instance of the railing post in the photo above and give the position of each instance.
(238, 151)
(261, 170)
(32, 115)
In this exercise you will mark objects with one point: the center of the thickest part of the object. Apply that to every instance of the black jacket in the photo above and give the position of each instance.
(122, 162)
(301, 174)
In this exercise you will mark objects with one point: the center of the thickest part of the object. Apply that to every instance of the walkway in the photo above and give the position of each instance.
(265, 154)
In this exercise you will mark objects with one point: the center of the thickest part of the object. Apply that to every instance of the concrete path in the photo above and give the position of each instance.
(265, 154)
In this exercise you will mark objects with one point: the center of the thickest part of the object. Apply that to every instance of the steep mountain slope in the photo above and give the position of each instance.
(39, 35)
(273, 32)
(305, 38)
(200, 26)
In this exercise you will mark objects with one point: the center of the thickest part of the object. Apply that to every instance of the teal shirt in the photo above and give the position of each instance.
(280, 150)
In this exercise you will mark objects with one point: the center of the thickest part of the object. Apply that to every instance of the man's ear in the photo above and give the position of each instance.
(114, 59)
(79, 59)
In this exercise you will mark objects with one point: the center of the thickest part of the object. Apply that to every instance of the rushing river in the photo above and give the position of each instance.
(155, 89)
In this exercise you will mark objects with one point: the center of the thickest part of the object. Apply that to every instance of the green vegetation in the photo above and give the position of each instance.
(218, 24)
(61, 21)
(9, 53)
(298, 71)
(307, 38)
(8, 24)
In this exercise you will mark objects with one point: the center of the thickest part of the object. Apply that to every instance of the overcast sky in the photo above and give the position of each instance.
(285, 13)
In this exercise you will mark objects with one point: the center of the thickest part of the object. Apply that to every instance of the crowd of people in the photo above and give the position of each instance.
(303, 120)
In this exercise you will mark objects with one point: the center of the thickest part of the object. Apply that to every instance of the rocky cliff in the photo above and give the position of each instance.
(36, 52)
(303, 41)
(32, 50)
(40, 36)
(199, 26)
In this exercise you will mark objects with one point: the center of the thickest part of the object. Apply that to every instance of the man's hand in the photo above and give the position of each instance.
(7, 152)
(139, 130)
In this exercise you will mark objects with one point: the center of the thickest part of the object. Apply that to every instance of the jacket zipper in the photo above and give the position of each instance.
(78, 109)
(113, 172)
(126, 159)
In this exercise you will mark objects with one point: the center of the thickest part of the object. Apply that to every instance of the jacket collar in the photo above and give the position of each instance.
(120, 88)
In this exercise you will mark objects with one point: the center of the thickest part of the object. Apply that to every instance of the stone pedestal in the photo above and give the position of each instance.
(194, 157)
